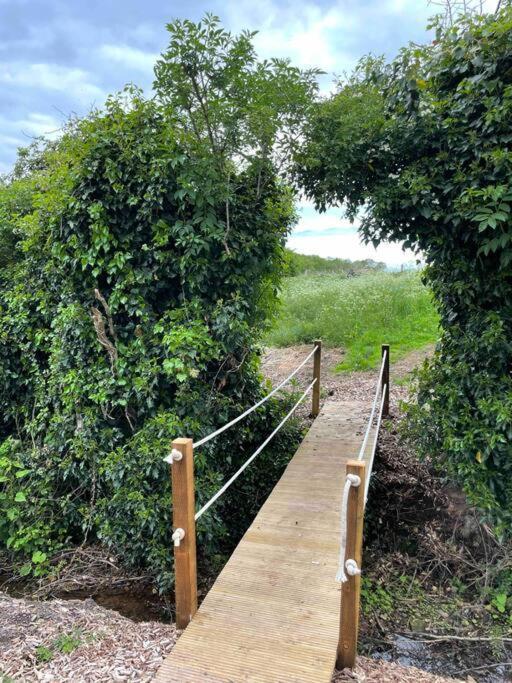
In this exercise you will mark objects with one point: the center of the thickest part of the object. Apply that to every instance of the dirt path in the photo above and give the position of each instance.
(278, 363)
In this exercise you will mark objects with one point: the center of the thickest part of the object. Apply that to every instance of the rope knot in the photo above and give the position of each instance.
(352, 568)
(177, 536)
(174, 456)
(354, 479)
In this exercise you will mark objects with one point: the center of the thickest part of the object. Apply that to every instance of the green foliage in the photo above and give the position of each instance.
(304, 264)
(148, 249)
(499, 601)
(423, 145)
(43, 654)
(357, 314)
(375, 598)
(65, 643)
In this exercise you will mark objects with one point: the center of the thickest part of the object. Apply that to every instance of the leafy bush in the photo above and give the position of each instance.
(358, 314)
(424, 144)
(148, 245)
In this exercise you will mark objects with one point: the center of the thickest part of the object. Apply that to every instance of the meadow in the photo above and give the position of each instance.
(356, 314)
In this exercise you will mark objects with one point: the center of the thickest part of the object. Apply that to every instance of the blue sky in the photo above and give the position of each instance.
(59, 58)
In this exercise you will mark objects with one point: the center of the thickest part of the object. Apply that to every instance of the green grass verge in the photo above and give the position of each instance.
(357, 314)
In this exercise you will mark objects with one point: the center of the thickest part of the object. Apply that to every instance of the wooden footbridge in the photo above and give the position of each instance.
(277, 613)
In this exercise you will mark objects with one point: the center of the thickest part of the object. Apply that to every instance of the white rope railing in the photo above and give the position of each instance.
(349, 566)
(219, 493)
(374, 406)
(256, 405)
(374, 447)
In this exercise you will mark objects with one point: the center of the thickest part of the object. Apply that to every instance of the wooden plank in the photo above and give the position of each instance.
(273, 613)
(183, 512)
(351, 589)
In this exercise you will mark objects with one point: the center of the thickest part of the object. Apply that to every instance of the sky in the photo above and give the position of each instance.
(62, 57)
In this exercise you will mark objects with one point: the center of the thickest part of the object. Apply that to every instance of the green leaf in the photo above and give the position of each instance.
(500, 602)
(38, 557)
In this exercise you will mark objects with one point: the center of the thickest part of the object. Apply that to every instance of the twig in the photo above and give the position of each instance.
(432, 637)
(479, 668)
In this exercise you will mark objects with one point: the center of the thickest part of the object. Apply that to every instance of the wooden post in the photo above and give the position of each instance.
(183, 517)
(317, 364)
(385, 379)
(351, 589)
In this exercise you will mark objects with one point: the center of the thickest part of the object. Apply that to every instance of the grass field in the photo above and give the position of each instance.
(357, 314)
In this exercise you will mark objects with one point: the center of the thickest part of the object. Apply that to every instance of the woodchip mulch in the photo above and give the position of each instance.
(377, 671)
(107, 646)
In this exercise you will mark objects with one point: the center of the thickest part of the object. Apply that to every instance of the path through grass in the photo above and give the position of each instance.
(357, 314)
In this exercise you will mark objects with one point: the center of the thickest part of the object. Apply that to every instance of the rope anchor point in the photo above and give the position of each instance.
(177, 537)
(352, 568)
(354, 479)
(174, 456)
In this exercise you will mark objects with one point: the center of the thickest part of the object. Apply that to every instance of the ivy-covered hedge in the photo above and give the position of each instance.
(423, 146)
(146, 247)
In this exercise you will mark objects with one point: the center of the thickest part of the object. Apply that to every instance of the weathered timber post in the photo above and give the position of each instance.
(385, 380)
(317, 364)
(351, 589)
(184, 534)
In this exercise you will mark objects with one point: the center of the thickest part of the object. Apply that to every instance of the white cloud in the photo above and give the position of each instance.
(329, 234)
(39, 124)
(18, 133)
(307, 38)
(74, 82)
(10, 140)
(313, 221)
(129, 56)
(310, 35)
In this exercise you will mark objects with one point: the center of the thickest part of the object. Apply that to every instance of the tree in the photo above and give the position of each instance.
(149, 243)
(424, 147)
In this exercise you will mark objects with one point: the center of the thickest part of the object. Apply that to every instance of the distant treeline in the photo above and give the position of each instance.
(299, 264)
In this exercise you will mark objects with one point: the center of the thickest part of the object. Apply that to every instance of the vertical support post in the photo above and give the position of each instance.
(317, 364)
(183, 517)
(385, 379)
(351, 589)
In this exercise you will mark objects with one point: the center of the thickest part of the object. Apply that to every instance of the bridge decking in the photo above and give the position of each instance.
(272, 615)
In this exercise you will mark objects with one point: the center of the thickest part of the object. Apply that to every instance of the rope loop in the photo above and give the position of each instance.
(174, 456)
(352, 568)
(177, 536)
(354, 479)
